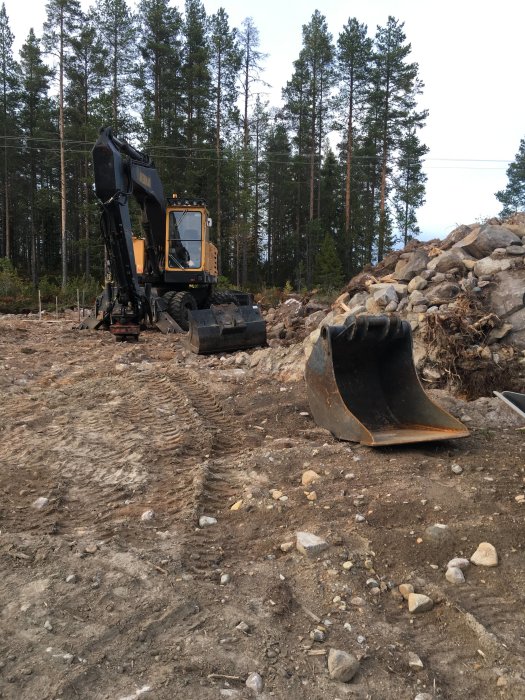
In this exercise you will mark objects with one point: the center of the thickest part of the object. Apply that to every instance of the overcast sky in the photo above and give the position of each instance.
(471, 59)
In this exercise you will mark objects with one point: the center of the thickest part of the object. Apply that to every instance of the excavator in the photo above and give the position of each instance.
(167, 276)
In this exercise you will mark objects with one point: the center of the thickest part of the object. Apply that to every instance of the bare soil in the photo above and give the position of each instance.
(106, 431)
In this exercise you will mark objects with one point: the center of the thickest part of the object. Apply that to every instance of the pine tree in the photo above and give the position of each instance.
(59, 29)
(196, 91)
(225, 63)
(87, 108)
(513, 196)
(250, 76)
(160, 82)
(116, 25)
(409, 182)
(354, 52)
(34, 109)
(10, 86)
(393, 99)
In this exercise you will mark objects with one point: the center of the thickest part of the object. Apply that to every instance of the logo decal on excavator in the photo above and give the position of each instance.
(144, 179)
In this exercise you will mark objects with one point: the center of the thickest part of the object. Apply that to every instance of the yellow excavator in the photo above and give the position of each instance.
(168, 276)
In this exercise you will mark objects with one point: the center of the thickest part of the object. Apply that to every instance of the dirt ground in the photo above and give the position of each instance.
(98, 601)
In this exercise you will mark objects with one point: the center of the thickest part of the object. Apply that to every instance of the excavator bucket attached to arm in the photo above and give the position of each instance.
(362, 385)
(226, 327)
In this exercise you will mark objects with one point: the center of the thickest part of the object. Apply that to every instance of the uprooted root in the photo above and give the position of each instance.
(457, 342)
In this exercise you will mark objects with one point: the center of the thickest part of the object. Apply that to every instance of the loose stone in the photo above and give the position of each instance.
(341, 665)
(454, 575)
(459, 563)
(309, 544)
(414, 661)
(206, 521)
(485, 555)
(418, 603)
(406, 589)
(255, 683)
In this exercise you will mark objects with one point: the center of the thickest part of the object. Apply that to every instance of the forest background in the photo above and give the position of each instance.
(290, 205)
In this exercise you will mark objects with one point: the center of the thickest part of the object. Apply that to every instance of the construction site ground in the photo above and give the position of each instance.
(101, 599)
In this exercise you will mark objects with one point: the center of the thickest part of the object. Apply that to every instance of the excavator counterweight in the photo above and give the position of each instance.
(363, 387)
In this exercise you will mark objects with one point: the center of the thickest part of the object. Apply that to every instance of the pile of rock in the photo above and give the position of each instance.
(480, 265)
(293, 320)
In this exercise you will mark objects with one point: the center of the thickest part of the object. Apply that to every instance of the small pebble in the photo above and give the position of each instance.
(225, 578)
(147, 516)
(414, 661)
(455, 575)
(418, 603)
(72, 578)
(459, 563)
(48, 626)
(406, 589)
(360, 518)
(456, 469)
(255, 683)
(40, 503)
(206, 521)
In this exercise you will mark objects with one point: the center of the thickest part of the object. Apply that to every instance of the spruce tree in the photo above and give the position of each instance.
(513, 196)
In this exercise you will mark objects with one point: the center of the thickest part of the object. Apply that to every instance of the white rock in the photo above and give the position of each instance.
(459, 563)
(454, 575)
(485, 555)
(341, 665)
(40, 502)
(417, 602)
(255, 683)
(147, 516)
(206, 521)
(309, 477)
(310, 544)
(414, 661)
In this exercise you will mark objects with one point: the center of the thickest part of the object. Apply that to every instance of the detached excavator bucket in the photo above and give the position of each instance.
(362, 385)
(226, 327)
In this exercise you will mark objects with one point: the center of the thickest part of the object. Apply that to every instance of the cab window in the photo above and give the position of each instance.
(185, 245)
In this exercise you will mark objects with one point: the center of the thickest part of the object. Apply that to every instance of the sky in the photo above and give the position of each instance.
(471, 60)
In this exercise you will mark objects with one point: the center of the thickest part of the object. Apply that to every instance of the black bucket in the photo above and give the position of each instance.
(362, 385)
(226, 327)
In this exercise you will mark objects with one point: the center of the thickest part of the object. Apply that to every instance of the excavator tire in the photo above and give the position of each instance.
(219, 298)
(179, 307)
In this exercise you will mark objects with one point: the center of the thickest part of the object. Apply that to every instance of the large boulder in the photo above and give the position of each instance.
(442, 293)
(490, 266)
(481, 242)
(406, 269)
(508, 292)
(517, 336)
(449, 260)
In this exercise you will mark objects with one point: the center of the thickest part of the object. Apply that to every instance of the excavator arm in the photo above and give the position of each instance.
(122, 171)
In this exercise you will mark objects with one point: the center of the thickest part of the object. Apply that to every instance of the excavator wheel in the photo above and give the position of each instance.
(219, 298)
(179, 307)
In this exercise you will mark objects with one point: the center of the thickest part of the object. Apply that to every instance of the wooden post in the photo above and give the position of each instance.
(78, 304)
(83, 301)
(56, 307)
(39, 306)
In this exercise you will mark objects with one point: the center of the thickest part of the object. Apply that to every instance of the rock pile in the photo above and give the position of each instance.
(464, 298)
